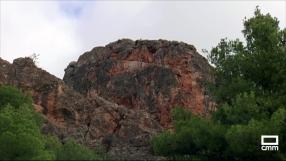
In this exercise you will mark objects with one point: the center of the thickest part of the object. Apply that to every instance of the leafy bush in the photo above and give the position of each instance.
(20, 136)
(164, 144)
(73, 151)
(192, 136)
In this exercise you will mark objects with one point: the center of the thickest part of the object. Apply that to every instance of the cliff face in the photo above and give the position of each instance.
(153, 76)
(118, 96)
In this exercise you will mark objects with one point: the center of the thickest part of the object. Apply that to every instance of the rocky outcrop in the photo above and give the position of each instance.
(96, 122)
(153, 76)
(118, 96)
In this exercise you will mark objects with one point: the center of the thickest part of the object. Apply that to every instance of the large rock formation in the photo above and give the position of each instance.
(96, 122)
(118, 96)
(153, 76)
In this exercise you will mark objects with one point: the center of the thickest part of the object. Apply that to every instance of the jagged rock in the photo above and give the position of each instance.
(96, 123)
(151, 75)
(118, 96)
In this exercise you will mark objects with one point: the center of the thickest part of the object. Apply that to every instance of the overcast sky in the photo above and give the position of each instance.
(60, 31)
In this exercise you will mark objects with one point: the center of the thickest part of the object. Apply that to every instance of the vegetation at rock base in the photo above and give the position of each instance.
(20, 135)
(13, 96)
(250, 91)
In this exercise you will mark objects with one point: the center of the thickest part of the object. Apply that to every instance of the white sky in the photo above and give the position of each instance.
(60, 31)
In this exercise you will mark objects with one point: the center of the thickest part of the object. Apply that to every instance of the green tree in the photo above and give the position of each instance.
(250, 92)
(250, 134)
(258, 66)
(242, 109)
(13, 96)
(244, 140)
(250, 86)
(278, 126)
(20, 136)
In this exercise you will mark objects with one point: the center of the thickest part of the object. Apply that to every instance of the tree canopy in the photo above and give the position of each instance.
(250, 92)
